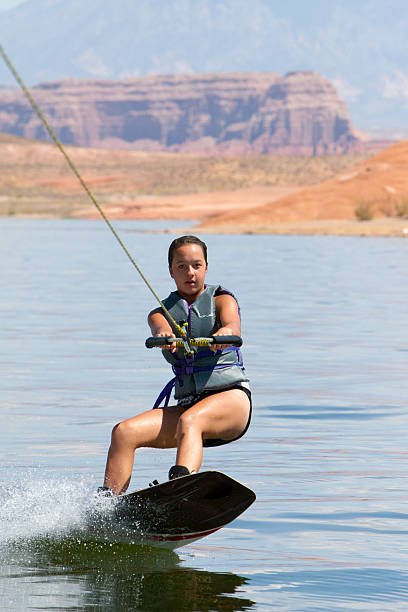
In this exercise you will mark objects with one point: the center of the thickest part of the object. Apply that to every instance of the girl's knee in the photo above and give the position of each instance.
(187, 422)
(115, 428)
(120, 433)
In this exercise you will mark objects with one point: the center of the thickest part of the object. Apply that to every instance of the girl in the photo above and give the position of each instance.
(214, 400)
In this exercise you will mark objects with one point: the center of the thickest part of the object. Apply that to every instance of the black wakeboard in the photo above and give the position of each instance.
(179, 511)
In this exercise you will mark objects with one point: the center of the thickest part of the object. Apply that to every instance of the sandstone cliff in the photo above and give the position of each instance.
(255, 113)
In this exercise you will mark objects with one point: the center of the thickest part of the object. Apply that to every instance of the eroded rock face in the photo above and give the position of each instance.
(254, 113)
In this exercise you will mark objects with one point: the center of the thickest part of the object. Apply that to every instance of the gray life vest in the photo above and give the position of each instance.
(206, 370)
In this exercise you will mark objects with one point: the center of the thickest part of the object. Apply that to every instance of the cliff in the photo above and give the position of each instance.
(255, 113)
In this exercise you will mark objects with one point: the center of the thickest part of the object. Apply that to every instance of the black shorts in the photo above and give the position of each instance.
(197, 398)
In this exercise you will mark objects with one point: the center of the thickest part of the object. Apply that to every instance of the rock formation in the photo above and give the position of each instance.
(254, 113)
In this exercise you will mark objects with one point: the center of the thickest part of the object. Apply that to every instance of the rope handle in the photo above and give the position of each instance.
(163, 341)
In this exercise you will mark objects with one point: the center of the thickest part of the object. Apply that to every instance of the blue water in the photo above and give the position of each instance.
(326, 348)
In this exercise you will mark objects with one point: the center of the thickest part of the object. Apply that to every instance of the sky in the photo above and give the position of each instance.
(5, 5)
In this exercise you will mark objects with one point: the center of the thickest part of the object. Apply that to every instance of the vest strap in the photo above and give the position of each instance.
(182, 369)
(165, 394)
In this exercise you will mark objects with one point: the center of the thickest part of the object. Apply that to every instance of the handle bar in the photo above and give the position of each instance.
(162, 341)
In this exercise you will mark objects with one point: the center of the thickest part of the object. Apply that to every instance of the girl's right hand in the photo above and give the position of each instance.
(167, 347)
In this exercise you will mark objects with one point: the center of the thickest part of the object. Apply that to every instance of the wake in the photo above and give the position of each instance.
(44, 508)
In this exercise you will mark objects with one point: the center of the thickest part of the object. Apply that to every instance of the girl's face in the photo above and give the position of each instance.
(188, 269)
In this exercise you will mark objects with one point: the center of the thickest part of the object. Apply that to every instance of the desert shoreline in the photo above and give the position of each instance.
(223, 195)
(332, 227)
(387, 227)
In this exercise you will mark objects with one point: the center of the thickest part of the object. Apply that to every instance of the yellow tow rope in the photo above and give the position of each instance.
(74, 169)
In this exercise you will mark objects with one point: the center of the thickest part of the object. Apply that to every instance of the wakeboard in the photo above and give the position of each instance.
(179, 511)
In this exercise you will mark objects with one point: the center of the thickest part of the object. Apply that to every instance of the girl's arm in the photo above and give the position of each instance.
(160, 327)
(227, 312)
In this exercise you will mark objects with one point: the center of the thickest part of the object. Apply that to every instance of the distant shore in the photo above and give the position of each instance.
(188, 210)
(36, 181)
(391, 227)
(228, 195)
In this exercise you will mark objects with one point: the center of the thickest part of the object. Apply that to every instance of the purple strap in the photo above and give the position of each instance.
(165, 393)
(185, 367)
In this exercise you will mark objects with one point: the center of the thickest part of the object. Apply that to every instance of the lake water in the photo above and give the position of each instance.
(326, 348)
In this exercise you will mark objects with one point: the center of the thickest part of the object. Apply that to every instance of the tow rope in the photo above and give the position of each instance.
(74, 169)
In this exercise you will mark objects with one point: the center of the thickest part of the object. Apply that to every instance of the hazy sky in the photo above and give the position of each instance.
(8, 4)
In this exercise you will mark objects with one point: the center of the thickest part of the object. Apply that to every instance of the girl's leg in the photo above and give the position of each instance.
(222, 415)
(154, 428)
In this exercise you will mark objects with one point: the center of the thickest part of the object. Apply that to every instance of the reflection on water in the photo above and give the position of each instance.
(46, 539)
(326, 347)
(113, 576)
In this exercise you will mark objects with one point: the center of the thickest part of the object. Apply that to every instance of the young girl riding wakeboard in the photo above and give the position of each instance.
(211, 387)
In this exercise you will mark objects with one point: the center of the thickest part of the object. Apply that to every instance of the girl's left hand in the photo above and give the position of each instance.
(223, 331)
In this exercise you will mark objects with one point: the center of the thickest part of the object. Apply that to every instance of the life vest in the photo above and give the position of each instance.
(204, 370)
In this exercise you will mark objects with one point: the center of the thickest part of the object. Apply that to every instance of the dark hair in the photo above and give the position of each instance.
(178, 242)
